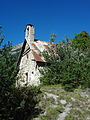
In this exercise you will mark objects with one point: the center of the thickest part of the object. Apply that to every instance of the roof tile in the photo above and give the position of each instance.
(37, 57)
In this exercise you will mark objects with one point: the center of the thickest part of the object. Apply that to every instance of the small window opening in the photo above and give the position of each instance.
(26, 77)
(27, 56)
(36, 66)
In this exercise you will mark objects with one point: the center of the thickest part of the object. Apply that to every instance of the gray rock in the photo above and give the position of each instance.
(63, 102)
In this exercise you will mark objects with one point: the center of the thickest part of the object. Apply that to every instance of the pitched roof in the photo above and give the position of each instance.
(34, 46)
(37, 47)
(37, 57)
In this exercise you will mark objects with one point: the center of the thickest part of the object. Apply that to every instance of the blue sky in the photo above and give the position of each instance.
(62, 17)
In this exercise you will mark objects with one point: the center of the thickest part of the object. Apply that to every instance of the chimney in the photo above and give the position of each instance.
(29, 33)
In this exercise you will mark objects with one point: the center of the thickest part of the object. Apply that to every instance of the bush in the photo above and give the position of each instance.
(15, 103)
(20, 104)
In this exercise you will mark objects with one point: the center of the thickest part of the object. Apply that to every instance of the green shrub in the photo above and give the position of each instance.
(69, 117)
(20, 104)
(15, 103)
(68, 66)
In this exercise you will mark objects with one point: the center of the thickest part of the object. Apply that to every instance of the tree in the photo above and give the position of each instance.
(82, 40)
(15, 103)
(1, 36)
(69, 66)
(8, 71)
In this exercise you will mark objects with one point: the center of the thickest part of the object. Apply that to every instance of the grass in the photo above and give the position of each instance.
(75, 115)
(52, 113)
(79, 100)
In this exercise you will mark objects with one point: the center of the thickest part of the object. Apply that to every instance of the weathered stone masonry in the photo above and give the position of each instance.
(30, 60)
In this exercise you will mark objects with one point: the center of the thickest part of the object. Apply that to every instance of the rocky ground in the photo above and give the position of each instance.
(57, 104)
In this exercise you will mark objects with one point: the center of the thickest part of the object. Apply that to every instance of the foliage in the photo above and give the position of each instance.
(1, 36)
(52, 37)
(82, 40)
(15, 103)
(77, 103)
(20, 104)
(75, 115)
(51, 113)
(8, 69)
(69, 66)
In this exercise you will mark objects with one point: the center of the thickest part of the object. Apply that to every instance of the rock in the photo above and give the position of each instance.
(65, 113)
(63, 102)
(36, 118)
(73, 99)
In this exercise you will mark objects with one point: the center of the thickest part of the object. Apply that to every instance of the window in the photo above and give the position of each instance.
(27, 55)
(26, 77)
(32, 72)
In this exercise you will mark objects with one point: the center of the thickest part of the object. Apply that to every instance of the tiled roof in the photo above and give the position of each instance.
(37, 47)
(46, 46)
(37, 57)
(34, 46)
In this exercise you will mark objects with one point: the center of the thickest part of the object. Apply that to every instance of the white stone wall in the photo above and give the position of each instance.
(29, 71)
(29, 34)
(28, 66)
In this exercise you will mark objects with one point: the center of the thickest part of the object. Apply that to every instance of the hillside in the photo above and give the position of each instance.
(17, 48)
(57, 104)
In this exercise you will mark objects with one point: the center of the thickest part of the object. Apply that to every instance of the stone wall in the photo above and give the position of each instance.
(29, 70)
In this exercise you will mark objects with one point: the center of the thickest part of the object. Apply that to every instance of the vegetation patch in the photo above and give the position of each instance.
(69, 63)
(51, 113)
(70, 105)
